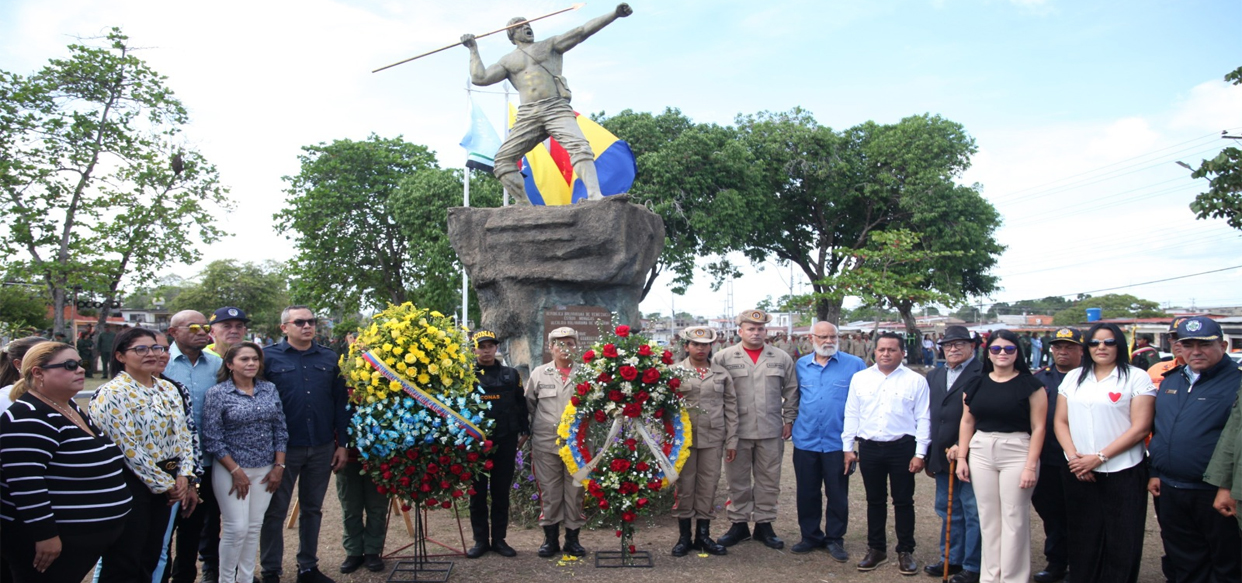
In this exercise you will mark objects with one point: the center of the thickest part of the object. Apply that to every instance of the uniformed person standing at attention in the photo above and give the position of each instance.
(713, 420)
(560, 497)
(767, 405)
(502, 388)
(1049, 495)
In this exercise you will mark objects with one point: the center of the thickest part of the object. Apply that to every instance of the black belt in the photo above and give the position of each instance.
(172, 466)
(899, 440)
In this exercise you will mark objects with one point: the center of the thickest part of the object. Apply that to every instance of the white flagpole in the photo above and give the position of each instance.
(465, 279)
(505, 125)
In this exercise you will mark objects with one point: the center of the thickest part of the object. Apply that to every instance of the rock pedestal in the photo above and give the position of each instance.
(523, 260)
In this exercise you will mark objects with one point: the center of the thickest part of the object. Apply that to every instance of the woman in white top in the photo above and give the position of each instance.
(1104, 412)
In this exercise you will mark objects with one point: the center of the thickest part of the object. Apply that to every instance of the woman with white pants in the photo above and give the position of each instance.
(244, 430)
(1002, 434)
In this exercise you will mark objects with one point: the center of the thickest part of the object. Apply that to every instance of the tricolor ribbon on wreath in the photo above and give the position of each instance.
(424, 398)
(669, 468)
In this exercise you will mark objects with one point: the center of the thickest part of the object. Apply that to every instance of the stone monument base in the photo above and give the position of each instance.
(524, 261)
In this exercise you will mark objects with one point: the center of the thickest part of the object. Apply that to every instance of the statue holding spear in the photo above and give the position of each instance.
(534, 69)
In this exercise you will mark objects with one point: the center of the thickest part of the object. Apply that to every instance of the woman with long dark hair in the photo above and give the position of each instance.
(63, 499)
(1104, 411)
(11, 366)
(1003, 425)
(145, 416)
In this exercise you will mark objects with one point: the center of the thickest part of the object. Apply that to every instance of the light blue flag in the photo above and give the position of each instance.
(481, 142)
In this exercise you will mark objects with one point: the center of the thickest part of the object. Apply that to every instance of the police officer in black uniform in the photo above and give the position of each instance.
(502, 388)
(1049, 496)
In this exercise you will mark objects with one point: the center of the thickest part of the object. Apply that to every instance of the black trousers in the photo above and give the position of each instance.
(499, 484)
(882, 464)
(78, 555)
(821, 475)
(1106, 521)
(1049, 502)
(1202, 546)
(138, 550)
(198, 536)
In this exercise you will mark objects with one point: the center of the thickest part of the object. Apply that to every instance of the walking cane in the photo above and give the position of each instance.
(948, 521)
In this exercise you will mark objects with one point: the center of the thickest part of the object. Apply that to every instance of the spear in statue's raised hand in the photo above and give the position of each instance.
(477, 36)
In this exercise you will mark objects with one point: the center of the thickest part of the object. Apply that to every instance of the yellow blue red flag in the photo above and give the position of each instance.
(550, 177)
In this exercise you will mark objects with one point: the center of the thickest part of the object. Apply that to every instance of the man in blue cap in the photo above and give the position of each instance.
(229, 326)
(1192, 407)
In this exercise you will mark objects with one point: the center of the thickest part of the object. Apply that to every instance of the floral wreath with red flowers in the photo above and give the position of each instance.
(626, 432)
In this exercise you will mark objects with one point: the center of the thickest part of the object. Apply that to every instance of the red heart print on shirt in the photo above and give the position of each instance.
(1114, 396)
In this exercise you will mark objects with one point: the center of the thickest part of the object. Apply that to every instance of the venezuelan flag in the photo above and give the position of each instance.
(550, 177)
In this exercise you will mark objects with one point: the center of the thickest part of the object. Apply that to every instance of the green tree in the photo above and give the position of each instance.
(22, 308)
(96, 189)
(351, 253)
(1111, 306)
(259, 289)
(420, 210)
(1223, 200)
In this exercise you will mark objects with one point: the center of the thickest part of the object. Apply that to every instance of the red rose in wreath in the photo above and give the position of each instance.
(619, 465)
(615, 396)
(588, 356)
(642, 466)
(667, 357)
(600, 417)
(674, 383)
(632, 410)
(644, 350)
(583, 388)
(651, 375)
(610, 350)
(623, 330)
(628, 516)
(628, 372)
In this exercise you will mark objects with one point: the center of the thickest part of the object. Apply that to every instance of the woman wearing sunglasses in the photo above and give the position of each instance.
(145, 416)
(63, 500)
(1104, 411)
(1001, 437)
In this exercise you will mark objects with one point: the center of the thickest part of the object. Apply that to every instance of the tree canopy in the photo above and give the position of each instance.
(1111, 306)
(259, 289)
(1223, 200)
(95, 184)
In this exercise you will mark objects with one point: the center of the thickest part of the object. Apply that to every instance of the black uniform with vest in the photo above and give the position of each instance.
(1049, 496)
(502, 387)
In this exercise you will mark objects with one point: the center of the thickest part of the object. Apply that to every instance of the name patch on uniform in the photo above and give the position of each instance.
(774, 365)
(1170, 391)
(488, 397)
(735, 366)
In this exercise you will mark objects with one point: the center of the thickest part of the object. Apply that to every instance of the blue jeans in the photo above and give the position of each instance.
(964, 541)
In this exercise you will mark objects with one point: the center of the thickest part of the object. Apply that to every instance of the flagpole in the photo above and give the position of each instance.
(465, 279)
(505, 125)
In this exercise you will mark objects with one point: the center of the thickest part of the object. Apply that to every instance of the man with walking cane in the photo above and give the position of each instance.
(960, 557)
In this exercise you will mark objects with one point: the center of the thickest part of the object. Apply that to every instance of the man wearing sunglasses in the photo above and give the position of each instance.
(314, 397)
(198, 533)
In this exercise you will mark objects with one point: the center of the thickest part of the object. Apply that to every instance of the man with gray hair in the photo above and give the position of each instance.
(548, 391)
(534, 69)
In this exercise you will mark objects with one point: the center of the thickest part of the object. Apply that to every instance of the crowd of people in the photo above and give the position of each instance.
(185, 461)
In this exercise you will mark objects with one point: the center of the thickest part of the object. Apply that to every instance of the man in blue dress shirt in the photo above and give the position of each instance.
(823, 385)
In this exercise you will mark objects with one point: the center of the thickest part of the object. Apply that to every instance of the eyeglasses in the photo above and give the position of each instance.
(824, 336)
(198, 328)
(141, 350)
(1105, 342)
(1007, 349)
(69, 365)
(955, 345)
(302, 323)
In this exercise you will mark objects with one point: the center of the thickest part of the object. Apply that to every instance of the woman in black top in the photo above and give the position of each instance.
(63, 499)
(1003, 425)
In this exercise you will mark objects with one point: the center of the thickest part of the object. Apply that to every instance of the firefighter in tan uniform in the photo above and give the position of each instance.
(560, 498)
(767, 405)
(713, 420)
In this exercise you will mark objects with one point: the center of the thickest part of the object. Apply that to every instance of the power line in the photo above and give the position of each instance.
(1154, 281)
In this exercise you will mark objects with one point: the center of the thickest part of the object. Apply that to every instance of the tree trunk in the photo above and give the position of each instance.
(58, 308)
(828, 310)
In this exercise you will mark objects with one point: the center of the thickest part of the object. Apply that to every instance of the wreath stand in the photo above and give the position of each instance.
(421, 569)
(623, 559)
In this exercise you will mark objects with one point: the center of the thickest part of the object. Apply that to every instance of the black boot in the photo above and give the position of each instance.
(703, 539)
(480, 541)
(739, 532)
(551, 541)
(765, 535)
(500, 529)
(683, 543)
(572, 548)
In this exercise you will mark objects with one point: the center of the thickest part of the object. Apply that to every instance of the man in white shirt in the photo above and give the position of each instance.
(887, 412)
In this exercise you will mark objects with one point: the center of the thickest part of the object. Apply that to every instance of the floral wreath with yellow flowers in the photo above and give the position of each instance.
(626, 432)
(418, 422)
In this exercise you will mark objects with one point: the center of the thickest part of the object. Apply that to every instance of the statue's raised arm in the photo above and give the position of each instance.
(534, 70)
(569, 40)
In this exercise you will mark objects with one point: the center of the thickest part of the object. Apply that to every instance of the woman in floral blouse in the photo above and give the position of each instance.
(244, 431)
(144, 416)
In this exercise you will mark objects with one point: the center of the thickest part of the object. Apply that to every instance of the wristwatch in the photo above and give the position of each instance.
(281, 466)
(1103, 458)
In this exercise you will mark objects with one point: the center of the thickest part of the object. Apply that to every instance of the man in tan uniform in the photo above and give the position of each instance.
(767, 405)
(713, 421)
(560, 498)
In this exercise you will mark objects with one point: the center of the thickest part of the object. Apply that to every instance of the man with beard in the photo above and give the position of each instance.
(823, 386)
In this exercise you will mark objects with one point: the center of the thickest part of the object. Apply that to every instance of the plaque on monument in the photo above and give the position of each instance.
(585, 319)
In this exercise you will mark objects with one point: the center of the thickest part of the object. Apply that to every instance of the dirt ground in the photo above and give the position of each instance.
(748, 561)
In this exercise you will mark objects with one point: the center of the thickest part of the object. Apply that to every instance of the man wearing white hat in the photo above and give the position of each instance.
(713, 420)
(560, 497)
(767, 405)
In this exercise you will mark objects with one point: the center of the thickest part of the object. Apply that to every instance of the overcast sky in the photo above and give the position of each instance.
(1080, 108)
